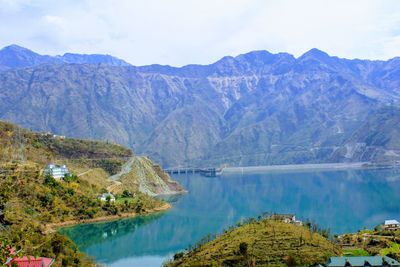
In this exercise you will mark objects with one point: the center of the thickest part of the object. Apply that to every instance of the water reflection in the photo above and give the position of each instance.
(340, 200)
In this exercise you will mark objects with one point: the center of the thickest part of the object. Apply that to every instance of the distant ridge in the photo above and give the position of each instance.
(14, 56)
(92, 59)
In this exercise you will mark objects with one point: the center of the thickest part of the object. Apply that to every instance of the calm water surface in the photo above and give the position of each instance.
(340, 200)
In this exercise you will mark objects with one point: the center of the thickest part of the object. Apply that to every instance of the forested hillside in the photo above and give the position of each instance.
(32, 204)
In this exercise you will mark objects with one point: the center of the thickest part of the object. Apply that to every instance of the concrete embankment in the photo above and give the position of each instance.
(296, 167)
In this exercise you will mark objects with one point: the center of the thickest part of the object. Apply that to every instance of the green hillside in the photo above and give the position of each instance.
(260, 243)
(31, 202)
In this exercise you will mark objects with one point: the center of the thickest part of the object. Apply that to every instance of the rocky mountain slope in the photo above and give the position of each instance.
(256, 108)
(140, 174)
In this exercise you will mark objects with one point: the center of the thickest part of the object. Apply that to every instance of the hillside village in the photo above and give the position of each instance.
(47, 182)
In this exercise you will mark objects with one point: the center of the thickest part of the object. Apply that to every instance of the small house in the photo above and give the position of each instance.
(286, 218)
(56, 171)
(391, 225)
(105, 196)
(372, 261)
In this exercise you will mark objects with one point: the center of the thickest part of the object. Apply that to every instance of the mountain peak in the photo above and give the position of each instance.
(16, 49)
(315, 53)
(256, 57)
(92, 59)
(15, 56)
(256, 53)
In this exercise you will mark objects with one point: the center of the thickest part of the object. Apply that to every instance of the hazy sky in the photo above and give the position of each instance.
(178, 32)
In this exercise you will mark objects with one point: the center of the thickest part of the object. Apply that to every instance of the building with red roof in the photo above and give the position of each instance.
(30, 261)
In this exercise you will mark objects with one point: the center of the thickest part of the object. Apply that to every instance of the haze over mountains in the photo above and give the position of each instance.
(254, 109)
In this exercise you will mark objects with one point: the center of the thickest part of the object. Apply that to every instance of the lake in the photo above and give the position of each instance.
(343, 201)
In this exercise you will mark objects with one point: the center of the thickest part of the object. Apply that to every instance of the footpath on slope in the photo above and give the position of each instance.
(126, 168)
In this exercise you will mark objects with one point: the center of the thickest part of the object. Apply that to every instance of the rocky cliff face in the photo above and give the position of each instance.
(146, 177)
(256, 108)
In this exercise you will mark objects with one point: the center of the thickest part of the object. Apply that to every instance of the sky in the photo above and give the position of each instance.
(180, 32)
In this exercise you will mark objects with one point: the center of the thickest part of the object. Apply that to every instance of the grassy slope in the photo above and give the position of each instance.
(372, 242)
(30, 201)
(270, 243)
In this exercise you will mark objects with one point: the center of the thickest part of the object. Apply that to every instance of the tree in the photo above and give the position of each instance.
(50, 181)
(243, 248)
(139, 207)
(126, 205)
(290, 260)
(69, 178)
(126, 193)
(178, 255)
(47, 199)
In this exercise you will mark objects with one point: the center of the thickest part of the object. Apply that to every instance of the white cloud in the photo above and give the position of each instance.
(179, 32)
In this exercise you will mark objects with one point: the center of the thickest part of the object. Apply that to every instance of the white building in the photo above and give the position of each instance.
(286, 218)
(56, 171)
(391, 225)
(104, 196)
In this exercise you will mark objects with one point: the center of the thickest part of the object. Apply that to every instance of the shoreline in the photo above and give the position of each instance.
(53, 227)
(304, 167)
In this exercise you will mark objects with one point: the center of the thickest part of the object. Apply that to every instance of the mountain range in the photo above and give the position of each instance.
(257, 108)
(14, 56)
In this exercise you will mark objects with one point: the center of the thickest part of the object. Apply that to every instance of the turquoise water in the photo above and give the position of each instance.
(340, 200)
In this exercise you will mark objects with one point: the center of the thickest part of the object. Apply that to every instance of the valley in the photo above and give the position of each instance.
(199, 133)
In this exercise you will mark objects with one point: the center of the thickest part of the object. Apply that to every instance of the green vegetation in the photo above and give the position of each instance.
(263, 242)
(20, 144)
(29, 201)
(31, 204)
(393, 249)
(78, 148)
(371, 242)
(355, 252)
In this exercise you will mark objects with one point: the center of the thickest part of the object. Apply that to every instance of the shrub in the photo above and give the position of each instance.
(243, 248)
(178, 255)
(50, 181)
(290, 260)
(47, 199)
(126, 193)
(69, 178)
